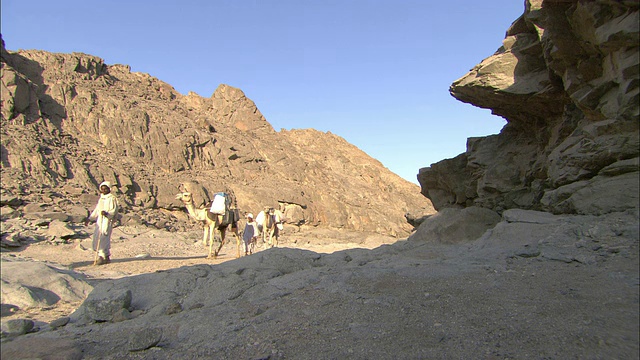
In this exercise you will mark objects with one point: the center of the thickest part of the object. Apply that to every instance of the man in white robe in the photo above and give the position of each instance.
(104, 215)
(250, 235)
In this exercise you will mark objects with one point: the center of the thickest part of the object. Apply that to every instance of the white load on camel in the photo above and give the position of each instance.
(220, 204)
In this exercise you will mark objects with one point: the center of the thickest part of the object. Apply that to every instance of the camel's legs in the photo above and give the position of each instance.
(271, 236)
(211, 232)
(238, 239)
(267, 231)
(223, 231)
(264, 236)
(204, 236)
(267, 237)
(275, 235)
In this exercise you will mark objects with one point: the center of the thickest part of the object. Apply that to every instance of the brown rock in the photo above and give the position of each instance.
(566, 80)
(106, 123)
(60, 230)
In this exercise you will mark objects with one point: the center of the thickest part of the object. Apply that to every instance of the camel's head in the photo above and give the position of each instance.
(185, 197)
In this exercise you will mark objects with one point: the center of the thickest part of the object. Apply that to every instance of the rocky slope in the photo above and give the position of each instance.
(566, 81)
(70, 121)
(486, 277)
(535, 286)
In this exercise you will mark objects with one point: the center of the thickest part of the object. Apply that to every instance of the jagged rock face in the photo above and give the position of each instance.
(70, 120)
(566, 79)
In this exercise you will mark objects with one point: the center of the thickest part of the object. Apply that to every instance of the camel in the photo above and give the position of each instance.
(269, 223)
(211, 222)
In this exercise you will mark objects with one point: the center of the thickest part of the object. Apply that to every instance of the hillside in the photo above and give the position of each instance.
(70, 121)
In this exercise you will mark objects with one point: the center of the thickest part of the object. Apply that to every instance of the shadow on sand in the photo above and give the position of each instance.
(81, 264)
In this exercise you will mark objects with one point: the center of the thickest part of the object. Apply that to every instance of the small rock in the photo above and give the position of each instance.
(144, 339)
(8, 309)
(33, 208)
(121, 315)
(60, 230)
(12, 240)
(12, 201)
(59, 322)
(136, 313)
(528, 252)
(54, 216)
(17, 326)
(7, 212)
(173, 309)
(104, 309)
(196, 306)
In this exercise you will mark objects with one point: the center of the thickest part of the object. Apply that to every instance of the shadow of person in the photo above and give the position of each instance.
(81, 264)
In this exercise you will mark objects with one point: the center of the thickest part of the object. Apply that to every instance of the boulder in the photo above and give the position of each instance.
(77, 213)
(598, 195)
(566, 81)
(451, 226)
(15, 327)
(104, 306)
(28, 284)
(144, 339)
(60, 230)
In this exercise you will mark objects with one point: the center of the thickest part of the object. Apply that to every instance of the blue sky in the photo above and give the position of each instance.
(376, 73)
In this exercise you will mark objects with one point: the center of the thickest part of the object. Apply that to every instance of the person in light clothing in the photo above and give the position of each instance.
(104, 215)
(249, 235)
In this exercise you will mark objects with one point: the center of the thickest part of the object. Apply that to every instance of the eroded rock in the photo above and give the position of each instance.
(566, 81)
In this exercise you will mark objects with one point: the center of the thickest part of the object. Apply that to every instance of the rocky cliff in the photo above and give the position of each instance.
(566, 79)
(482, 278)
(70, 121)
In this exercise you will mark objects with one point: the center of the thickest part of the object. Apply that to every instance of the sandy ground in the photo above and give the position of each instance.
(576, 299)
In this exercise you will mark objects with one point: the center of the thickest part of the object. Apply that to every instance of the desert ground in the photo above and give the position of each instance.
(535, 286)
(139, 250)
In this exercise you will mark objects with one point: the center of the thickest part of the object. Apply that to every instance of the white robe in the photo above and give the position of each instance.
(104, 224)
(250, 231)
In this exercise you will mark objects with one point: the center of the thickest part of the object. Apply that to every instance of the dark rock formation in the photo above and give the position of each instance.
(566, 79)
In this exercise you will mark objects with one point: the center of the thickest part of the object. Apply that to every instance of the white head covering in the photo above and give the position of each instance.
(250, 215)
(105, 183)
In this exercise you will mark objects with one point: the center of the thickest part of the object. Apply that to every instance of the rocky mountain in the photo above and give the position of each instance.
(70, 121)
(566, 81)
(533, 253)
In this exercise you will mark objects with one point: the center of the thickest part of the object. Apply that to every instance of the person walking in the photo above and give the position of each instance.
(249, 235)
(104, 215)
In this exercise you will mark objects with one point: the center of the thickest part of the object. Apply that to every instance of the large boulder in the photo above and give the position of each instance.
(566, 80)
(28, 284)
(451, 226)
